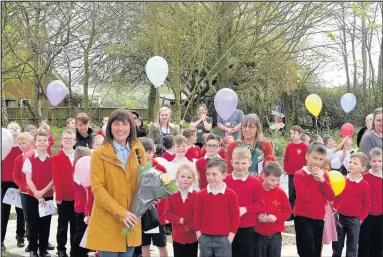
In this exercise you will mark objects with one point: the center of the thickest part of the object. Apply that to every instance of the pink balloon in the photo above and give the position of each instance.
(347, 130)
(56, 92)
(29, 154)
(6, 142)
(82, 171)
(225, 102)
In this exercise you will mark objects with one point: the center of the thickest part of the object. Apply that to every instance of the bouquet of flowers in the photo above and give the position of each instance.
(152, 185)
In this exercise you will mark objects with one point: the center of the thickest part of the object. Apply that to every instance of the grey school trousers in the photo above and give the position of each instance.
(217, 246)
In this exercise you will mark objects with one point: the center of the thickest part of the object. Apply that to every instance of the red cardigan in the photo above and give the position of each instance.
(7, 164)
(267, 149)
(18, 174)
(175, 210)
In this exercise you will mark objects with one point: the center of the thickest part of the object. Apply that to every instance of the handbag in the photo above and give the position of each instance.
(150, 218)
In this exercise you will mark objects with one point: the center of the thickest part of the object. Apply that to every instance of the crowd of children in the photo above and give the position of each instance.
(222, 212)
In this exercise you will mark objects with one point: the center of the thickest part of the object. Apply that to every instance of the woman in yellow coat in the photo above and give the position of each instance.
(114, 184)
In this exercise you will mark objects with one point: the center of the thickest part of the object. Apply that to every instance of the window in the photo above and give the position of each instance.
(23, 102)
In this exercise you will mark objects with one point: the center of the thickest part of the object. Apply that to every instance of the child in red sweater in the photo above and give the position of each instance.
(38, 170)
(194, 151)
(159, 239)
(313, 189)
(79, 205)
(294, 159)
(221, 152)
(250, 198)
(268, 239)
(168, 145)
(213, 147)
(216, 217)
(371, 234)
(62, 172)
(179, 211)
(352, 205)
(7, 182)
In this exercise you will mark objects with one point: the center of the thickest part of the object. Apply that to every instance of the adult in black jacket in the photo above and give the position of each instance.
(84, 134)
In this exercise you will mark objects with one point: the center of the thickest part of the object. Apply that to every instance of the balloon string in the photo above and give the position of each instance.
(316, 123)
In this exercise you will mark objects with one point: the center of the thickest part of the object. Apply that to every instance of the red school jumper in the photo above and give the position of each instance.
(376, 189)
(7, 164)
(201, 169)
(194, 152)
(18, 174)
(62, 171)
(41, 174)
(294, 158)
(168, 156)
(216, 215)
(250, 195)
(277, 204)
(176, 209)
(311, 195)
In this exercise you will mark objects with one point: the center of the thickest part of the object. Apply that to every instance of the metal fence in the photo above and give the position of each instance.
(58, 116)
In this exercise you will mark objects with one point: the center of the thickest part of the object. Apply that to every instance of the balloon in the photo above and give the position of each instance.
(225, 103)
(337, 181)
(313, 104)
(82, 171)
(56, 92)
(157, 70)
(348, 102)
(6, 142)
(28, 154)
(161, 161)
(347, 130)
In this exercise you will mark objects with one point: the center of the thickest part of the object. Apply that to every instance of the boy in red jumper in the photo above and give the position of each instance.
(250, 198)
(212, 149)
(216, 217)
(62, 172)
(371, 234)
(179, 211)
(7, 182)
(294, 159)
(38, 170)
(79, 206)
(194, 150)
(277, 209)
(352, 205)
(168, 145)
(313, 189)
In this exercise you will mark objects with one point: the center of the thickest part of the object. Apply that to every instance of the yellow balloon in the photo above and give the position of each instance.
(337, 181)
(313, 104)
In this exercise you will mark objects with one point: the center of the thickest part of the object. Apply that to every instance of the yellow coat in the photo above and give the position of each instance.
(113, 190)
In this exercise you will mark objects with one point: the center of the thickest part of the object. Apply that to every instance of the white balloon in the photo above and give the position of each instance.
(6, 142)
(348, 102)
(157, 70)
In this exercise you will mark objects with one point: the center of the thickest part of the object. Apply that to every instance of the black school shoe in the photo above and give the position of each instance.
(27, 249)
(61, 254)
(20, 241)
(50, 247)
(3, 248)
(44, 254)
(33, 254)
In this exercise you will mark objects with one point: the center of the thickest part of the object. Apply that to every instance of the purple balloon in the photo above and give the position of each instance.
(225, 103)
(56, 92)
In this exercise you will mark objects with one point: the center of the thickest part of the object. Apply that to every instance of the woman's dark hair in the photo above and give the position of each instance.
(120, 115)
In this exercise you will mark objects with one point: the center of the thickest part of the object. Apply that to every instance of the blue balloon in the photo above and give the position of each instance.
(348, 102)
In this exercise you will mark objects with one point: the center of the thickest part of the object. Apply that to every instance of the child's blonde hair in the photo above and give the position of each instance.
(69, 133)
(25, 136)
(69, 120)
(81, 151)
(179, 140)
(190, 167)
(98, 137)
(241, 152)
(362, 158)
(376, 151)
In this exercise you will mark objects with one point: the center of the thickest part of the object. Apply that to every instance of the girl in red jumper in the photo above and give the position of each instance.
(7, 182)
(38, 172)
(194, 151)
(180, 213)
(62, 172)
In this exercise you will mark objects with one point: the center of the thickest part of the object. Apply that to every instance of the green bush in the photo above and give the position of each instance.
(56, 131)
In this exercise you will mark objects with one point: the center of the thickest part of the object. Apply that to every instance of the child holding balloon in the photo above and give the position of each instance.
(352, 205)
(313, 189)
(62, 170)
(371, 234)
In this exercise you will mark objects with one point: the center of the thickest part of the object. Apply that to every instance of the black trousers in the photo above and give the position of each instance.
(77, 250)
(309, 233)
(244, 243)
(66, 215)
(185, 250)
(268, 246)
(371, 237)
(292, 195)
(6, 210)
(38, 227)
(24, 198)
(349, 226)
